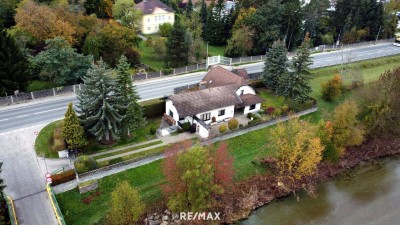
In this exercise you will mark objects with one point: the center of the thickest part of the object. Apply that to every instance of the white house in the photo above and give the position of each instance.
(155, 13)
(222, 93)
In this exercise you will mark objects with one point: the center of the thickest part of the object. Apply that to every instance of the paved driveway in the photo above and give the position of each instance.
(23, 174)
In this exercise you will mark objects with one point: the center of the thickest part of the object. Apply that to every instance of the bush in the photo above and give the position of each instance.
(149, 42)
(114, 161)
(277, 112)
(59, 145)
(167, 71)
(133, 56)
(270, 110)
(153, 130)
(62, 177)
(233, 124)
(250, 115)
(186, 127)
(257, 84)
(154, 108)
(285, 109)
(165, 29)
(240, 125)
(57, 134)
(84, 164)
(331, 89)
(180, 130)
(223, 128)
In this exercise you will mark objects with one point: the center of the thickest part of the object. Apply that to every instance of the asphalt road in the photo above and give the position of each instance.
(42, 111)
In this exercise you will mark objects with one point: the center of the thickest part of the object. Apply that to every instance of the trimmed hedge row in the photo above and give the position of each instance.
(154, 108)
(62, 177)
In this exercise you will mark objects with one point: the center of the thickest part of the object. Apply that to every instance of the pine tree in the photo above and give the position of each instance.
(134, 113)
(177, 46)
(72, 131)
(98, 105)
(215, 30)
(13, 66)
(189, 7)
(302, 60)
(203, 13)
(275, 64)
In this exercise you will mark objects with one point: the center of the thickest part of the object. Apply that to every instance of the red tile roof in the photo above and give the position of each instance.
(219, 76)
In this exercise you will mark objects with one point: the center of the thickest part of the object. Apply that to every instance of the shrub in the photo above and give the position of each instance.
(167, 71)
(114, 161)
(285, 109)
(250, 115)
(270, 110)
(133, 56)
(223, 128)
(149, 42)
(186, 127)
(153, 130)
(84, 164)
(257, 84)
(278, 112)
(180, 130)
(57, 134)
(59, 145)
(331, 89)
(233, 124)
(240, 125)
(62, 177)
(154, 108)
(165, 29)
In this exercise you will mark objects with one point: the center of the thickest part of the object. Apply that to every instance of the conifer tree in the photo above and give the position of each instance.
(13, 66)
(302, 60)
(296, 84)
(215, 30)
(189, 7)
(203, 13)
(2, 186)
(98, 104)
(177, 46)
(72, 131)
(134, 113)
(275, 64)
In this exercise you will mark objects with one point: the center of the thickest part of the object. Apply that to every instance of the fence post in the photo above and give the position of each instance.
(251, 58)
(32, 96)
(240, 61)
(174, 71)
(186, 69)
(54, 92)
(160, 74)
(261, 58)
(73, 87)
(79, 86)
(197, 66)
(12, 100)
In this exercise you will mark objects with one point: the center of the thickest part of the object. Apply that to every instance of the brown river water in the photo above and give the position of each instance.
(367, 195)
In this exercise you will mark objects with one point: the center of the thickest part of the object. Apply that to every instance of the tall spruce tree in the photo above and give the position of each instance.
(13, 66)
(98, 104)
(134, 113)
(276, 63)
(215, 30)
(2, 186)
(177, 46)
(189, 7)
(296, 84)
(72, 131)
(203, 13)
(302, 60)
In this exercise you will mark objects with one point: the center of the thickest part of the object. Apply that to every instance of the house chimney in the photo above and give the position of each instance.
(202, 85)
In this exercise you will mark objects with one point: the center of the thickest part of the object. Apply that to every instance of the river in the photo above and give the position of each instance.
(367, 195)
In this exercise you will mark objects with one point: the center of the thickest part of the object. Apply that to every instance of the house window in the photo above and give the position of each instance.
(163, 17)
(206, 116)
(171, 113)
(148, 28)
(148, 19)
(221, 112)
(252, 107)
(169, 17)
(155, 18)
(241, 92)
(155, 27)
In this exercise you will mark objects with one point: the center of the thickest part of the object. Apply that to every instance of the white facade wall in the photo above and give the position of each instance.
(150, 23)
(202, 131)
(170, 107)
(246, 90)
(247, 109)
(229, 112)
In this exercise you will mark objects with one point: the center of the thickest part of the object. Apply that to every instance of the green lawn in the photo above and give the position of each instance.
(149, 57)
(271, 99)
(215, 50)
(128, 150)
(243, 148)
(37, 85)
(44, 141)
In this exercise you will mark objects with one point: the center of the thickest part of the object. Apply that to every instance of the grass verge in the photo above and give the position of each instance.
(44, 140)
(37, 85)
(128, 150)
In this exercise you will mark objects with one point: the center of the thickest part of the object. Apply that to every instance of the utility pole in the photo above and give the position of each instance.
(377, 36)
(207, 58)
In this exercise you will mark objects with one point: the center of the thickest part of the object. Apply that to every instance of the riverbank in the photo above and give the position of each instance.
(260, 190)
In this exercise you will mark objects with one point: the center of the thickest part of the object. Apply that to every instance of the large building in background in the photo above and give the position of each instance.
(155, 13)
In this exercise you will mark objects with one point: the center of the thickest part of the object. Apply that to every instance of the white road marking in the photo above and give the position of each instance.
(3, 120)
(49, 110)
